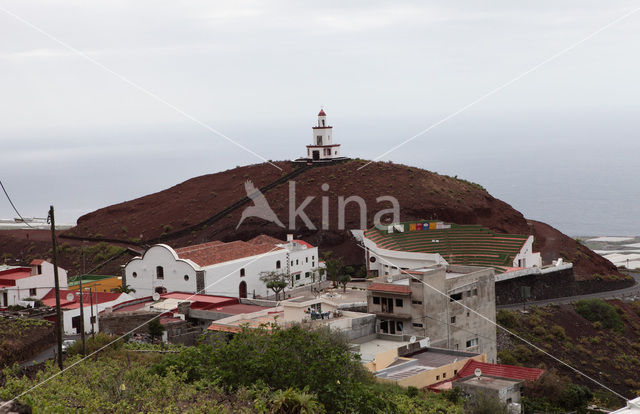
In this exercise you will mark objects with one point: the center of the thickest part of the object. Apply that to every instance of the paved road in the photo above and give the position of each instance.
(612, 294)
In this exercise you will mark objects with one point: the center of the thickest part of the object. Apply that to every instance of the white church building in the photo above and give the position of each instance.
(224, 269)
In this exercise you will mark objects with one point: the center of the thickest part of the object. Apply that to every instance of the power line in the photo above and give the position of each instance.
(13, 205)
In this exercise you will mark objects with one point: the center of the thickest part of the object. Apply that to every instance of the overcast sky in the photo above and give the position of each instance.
(560, 144)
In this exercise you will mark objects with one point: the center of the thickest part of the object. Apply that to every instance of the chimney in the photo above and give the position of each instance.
(289, 237)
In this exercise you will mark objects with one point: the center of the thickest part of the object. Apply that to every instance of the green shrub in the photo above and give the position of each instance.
(507, 319)
(597, 310)
(559, 332)
(539, 331)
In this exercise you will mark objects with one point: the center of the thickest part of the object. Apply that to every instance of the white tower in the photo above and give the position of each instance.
(322, 146)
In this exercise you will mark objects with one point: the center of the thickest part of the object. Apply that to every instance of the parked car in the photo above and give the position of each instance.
(66, 344)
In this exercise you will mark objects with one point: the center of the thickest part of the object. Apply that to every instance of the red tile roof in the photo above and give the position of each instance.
(98, 297)
(187, 249)
(239, 308)
(304, 243)
(264, 239)
(201, 299)
(390, 288)
(224, 328)
(499, 370)
(212, 254)
(36, 262)
(321, 113)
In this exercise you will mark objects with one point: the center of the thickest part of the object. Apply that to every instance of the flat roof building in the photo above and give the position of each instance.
(453, 306)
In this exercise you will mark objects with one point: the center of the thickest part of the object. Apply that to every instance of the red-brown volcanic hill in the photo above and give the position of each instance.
(421, 195)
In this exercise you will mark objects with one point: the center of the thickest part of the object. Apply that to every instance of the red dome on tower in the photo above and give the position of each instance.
(321, 113)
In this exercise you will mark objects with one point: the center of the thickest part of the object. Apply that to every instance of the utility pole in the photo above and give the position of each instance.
(84, 344)
(54, 248)
(93, 332)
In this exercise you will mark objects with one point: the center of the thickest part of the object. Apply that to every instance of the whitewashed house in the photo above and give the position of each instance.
(92, 303)
(226, 269)
(20, 283)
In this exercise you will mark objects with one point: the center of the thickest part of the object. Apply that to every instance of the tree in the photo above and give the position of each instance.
(275, 281)
(156, 329)
(334, 267)
(344, 278)
(124, 289)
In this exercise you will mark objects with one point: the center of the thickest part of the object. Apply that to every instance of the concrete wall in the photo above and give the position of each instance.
(361, 327)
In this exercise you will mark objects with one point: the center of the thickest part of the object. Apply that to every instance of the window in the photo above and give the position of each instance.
(318, 139)
(242, 272)
(468, 313)
(475, 292)
(417, 325)
(416, 302)
(399, 303)
(159, 272)
(278, 264)
(307, 259)
(298, 276)
(39, 269)
(297, 262)
(455, 347)
(186, 278)
(33, 292)
(437, 377)
(455, 296)
(455, 371)
(134, 274)
(468, 293)
(313, 264)
(472, 342)
(453, 319)
(313, 257)
(444, 375)
(372, 259)
(307, 274)
(292, 263)
(399, 326)
(376, 300)
(387, 305)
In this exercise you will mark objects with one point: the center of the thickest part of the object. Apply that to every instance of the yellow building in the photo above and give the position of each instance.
(98, 283)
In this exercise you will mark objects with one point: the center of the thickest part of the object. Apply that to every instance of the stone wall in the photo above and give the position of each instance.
(121, 323)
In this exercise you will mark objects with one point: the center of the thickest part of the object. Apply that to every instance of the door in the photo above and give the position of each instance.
(316, 155)
(392, 327)
(243, 289)
(384, 326)
(5, 299)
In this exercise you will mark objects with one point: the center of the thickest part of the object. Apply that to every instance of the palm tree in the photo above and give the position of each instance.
(124, 289)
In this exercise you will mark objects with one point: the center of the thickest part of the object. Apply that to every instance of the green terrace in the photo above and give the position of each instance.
(75, 280)
(460, 244)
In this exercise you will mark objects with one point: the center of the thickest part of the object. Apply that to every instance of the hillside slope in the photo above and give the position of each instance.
(421, 195)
